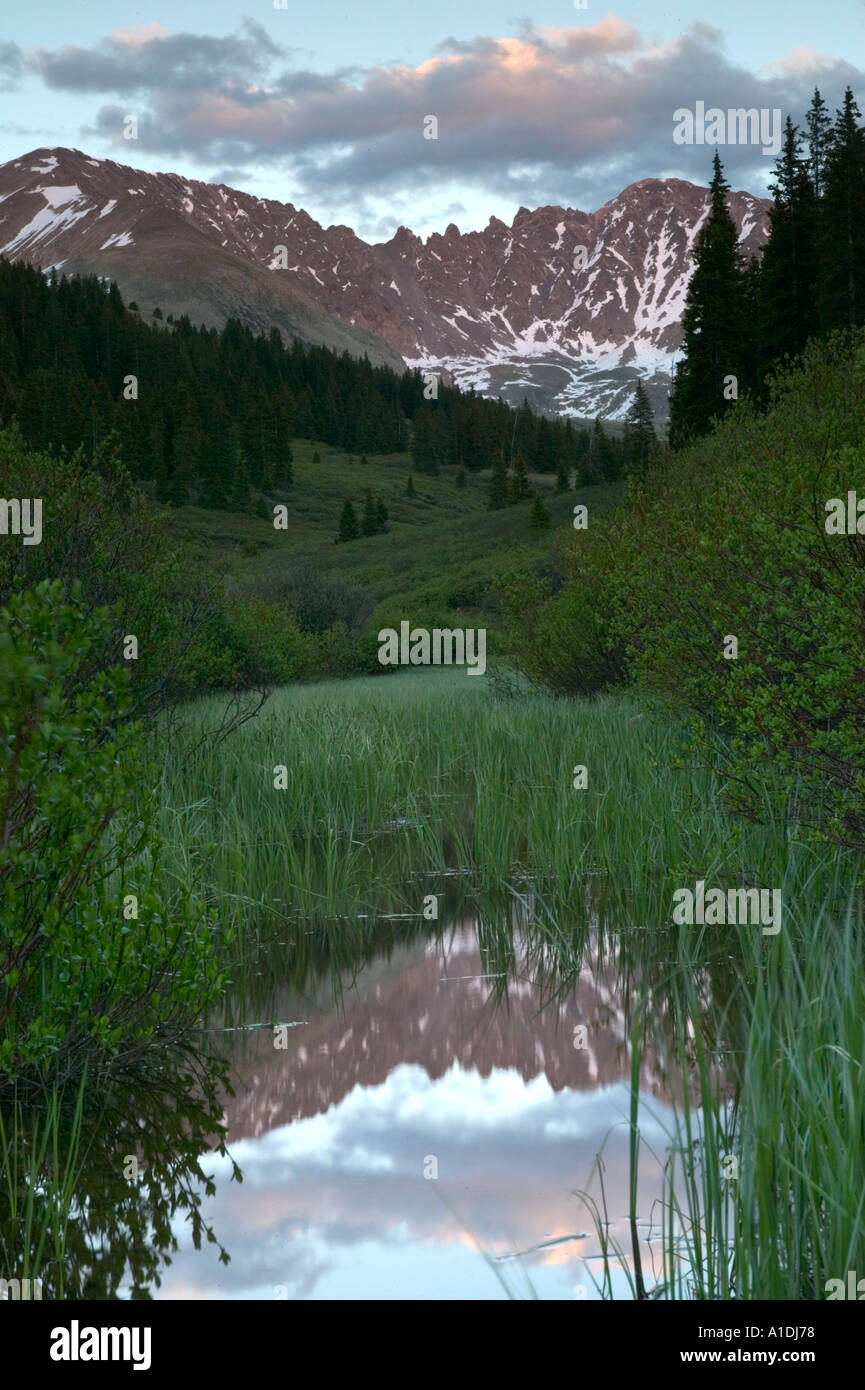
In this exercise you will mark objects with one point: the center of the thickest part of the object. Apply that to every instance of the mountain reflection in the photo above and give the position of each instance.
(425, 1066)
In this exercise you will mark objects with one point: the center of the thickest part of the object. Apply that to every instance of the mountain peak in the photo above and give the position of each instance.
(507, 310)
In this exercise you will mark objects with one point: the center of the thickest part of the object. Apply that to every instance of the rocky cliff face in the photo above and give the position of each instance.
(564, 307)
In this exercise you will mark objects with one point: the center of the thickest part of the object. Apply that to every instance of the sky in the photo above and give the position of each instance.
(327, 106)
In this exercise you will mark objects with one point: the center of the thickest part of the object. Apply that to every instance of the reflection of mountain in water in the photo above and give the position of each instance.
(420, 1008)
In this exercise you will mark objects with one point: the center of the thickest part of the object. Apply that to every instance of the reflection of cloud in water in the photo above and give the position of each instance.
(421, 1058)
(336, 1205)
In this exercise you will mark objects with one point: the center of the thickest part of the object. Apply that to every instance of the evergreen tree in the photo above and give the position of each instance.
(841, 291)
(409, 486)
(786, 288)
(519, 489)
(348, 527)
(539, 517)
(563, 480)
(382, 516)
(461, 479)
(713, 322)
(316, 456)
(369, 525)
(498, 493)
(545, 447)
(640, 437)
(819, 141)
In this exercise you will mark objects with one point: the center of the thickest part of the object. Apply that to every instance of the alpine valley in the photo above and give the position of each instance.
(517, 311)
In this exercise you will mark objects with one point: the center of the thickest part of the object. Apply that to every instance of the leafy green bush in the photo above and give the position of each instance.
(727, 539)
(83, 976)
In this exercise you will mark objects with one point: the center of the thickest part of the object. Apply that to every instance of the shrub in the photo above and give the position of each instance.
(83, 977)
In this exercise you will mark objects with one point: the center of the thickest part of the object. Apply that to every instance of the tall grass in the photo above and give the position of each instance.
(401, 786)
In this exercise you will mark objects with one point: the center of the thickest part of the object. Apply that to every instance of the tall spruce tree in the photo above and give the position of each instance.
(786, 297)
(819, 124)
(713, 322)
(841, 290)
(348, 527)
(640, 437)
(519, 489)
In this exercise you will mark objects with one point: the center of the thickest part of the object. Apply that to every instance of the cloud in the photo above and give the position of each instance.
(11, 65)
(549, 115)
(153, 60)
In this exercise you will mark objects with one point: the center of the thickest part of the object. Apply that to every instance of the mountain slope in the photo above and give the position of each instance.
(519, 310)
(58, 207)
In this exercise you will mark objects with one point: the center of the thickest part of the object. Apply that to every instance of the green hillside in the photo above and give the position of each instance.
(444, 550)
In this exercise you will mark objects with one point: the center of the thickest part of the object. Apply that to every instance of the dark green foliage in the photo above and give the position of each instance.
(211, 400)
(499, 493)
(409, 486)
(369, 524)
(83, 980)
(348, 527)
(713, 322)
(842, 224)
(519, 489)
(728, 537)
(639, 438)
(747, 321)
(784, 314)
(461, 479)
(539, 517)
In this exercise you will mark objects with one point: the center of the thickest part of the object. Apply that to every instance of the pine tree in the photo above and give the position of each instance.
(841, 290)
(461, 479)
(539, 517)
(498, 493)
(640, 437)
(563, 480)
(316, 456)
(819, 141)
(786, 283)
(545, 448)
(519, 489)
(363, 458)
(409, 486)
(369, 525)
(348, 527)
(382, 516)
(713, 322)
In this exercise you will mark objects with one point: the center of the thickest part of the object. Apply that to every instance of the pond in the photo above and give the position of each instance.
(422, 1131)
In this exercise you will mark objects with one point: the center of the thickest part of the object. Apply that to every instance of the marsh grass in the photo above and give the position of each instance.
(426, 783)
(40, 1166)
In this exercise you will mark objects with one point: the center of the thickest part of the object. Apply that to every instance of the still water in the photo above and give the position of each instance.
(424, 1134)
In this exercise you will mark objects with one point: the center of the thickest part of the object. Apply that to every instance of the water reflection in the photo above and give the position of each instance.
(423, 1065)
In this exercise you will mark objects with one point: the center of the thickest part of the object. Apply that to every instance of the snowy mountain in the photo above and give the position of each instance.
(563, 306)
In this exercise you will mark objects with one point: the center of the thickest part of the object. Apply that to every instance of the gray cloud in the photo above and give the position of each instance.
(547, 116)
(161, 62)
(11, 65)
